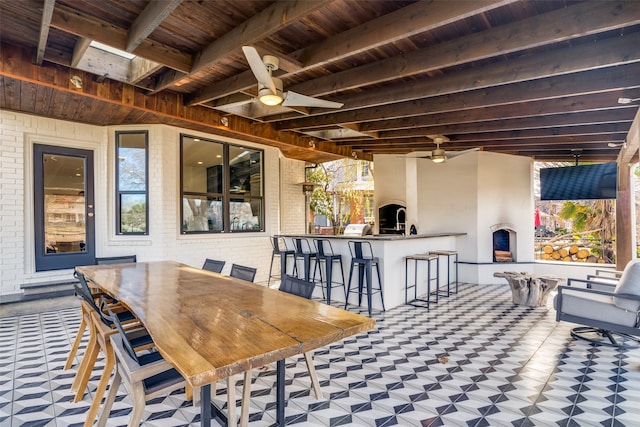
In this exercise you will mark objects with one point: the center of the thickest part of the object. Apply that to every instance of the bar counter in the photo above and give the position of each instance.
(391, 249)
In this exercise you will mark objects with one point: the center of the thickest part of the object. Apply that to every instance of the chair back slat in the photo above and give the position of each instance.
(300, 287)
(242, 272)
(82, 290)
(361, 250)
(323, 247)
(116, 259)
(113, 318)
(213, 265)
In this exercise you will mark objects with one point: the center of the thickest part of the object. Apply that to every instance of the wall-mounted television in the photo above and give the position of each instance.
(583, 182)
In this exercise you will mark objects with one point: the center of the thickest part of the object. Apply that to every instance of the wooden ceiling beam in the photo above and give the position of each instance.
(558, 62)
(413, 19)
(512, 134)
(550, 141)
(79, 50)
(22, 82)
(632, 149)
(588, 82)
(406, 22)
(505, 123)
(258, 27)
(76, 22)
(553, 132)
(45, 25)
(586, 103)
(549, 28)
(150, 18)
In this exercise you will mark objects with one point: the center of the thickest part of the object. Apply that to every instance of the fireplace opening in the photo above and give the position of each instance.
(503, 245)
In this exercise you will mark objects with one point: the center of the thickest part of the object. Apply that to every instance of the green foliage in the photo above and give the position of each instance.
(596, 218)
(321, 201)
(336, 192)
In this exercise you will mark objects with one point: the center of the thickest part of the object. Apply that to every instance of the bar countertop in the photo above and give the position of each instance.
(377, 237)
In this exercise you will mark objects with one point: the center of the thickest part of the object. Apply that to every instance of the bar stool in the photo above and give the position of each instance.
(280, 250)
(417, 302)
(362, 257)
(328, 257)
(304, 252)
(449, 255)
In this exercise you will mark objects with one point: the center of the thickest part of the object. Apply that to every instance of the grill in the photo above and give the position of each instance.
(357, 230)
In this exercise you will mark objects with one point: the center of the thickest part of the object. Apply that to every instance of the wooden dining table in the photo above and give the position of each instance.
(210, 326)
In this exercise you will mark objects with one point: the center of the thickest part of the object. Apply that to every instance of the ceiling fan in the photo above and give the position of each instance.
(439, 155)
(270, 88)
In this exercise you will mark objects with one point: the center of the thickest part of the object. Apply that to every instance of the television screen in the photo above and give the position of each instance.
(597, 181)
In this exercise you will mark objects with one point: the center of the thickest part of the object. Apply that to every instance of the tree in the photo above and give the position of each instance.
(340, 189)
(594, 218)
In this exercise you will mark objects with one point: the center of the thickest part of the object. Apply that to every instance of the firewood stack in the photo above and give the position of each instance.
(570, 254)
(502, 256)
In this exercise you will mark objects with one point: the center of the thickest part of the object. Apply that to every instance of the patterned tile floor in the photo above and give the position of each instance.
(474, 359)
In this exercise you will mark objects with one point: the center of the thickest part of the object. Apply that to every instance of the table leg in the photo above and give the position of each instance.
(280, 419)
(283, 266)
(205, 405)
(328, 272)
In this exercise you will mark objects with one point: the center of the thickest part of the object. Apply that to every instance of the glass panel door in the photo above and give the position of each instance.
(64, 207)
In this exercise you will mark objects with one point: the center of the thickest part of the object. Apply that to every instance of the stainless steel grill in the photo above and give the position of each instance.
(357, 230)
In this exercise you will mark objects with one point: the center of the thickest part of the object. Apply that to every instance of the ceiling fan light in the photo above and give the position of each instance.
(627, 100)
(267, 97)
(438, 156)
(270, 99)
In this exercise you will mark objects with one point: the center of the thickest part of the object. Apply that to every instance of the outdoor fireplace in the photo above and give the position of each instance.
(504, 243)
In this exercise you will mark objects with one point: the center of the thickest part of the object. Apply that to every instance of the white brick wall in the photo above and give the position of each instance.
(292, 199)
(284, 201)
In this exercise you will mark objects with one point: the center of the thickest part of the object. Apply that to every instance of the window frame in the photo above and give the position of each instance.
(119, 193)
(226, 196)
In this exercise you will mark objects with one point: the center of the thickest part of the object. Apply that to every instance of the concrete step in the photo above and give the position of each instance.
(36, 291)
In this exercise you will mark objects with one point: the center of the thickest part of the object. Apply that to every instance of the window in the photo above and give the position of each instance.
(366, 173)
(132, 211)
(222, 188)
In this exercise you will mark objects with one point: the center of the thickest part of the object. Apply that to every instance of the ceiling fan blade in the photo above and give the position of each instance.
(293, 99)
(452, 154)
(235, 104)
(258, 68)
(418, 155)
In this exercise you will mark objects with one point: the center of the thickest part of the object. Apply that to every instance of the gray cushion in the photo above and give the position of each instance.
(596, 307)
(629, 284)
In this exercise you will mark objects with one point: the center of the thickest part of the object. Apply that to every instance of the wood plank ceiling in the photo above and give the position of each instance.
(532, 78)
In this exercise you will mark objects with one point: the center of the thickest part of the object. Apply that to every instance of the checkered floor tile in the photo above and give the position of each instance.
(474, 359)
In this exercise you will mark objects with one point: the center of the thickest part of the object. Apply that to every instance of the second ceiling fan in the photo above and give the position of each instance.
(439, 155)
(270, 88)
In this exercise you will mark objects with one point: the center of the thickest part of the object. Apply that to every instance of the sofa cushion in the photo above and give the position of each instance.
(594, 307)
(629, 284)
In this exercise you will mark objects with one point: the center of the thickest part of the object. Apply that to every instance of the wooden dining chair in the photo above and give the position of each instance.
(100, 332)
(213, 265)
(100, 328)
(147, 375)
(242, 272)
(84, 292)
